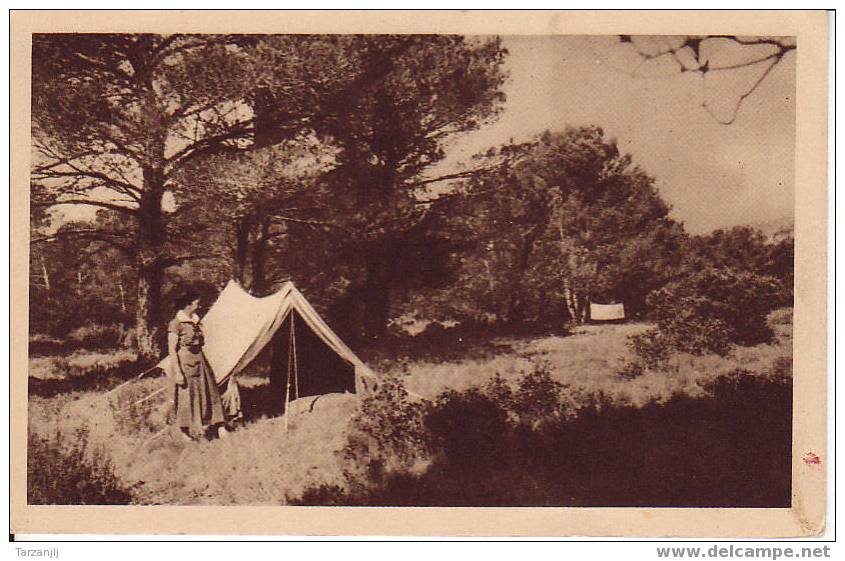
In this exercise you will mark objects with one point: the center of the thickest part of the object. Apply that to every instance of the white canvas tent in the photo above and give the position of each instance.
(238, 326)
(607, 312)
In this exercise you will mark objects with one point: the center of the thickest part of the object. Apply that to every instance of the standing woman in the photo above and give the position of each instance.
(196, 398)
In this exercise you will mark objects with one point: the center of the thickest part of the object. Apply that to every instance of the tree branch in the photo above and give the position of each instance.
(177, 259)
(110, 238)
(458, 175)
(754, 86)
(177, 160)
(101, 204)
(307, 221)
(693, 44)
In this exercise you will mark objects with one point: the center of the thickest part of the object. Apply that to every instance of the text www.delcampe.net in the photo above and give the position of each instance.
(749, 552)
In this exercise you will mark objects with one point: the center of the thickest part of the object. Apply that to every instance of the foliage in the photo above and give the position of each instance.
(440, 343)
(124, 123)
(386, 435)
(41, 345)
(117, 118)
(74, 282)
(486, 456)
(62, 470)
(743, 248)
(264, 196)
(98, 376)
(708, 311)
(264, 464)
(418, 92)
(651, 347)
(93, 337)
(557, 221)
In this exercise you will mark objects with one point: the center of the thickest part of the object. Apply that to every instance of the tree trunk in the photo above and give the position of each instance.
(151, 264)
(516, 313)
(583, 307)
(577, 304)
(45, 274)
(259, 259)
(147, 313)
(376, 291)
(243, 225)
(376, 297)
(122, 295)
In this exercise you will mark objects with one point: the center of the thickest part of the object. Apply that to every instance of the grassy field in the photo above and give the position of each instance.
(264, 463)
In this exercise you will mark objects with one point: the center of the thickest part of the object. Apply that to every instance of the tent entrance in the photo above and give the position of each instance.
(304, 365)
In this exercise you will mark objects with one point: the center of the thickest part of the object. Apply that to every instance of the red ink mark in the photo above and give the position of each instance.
(811, 459)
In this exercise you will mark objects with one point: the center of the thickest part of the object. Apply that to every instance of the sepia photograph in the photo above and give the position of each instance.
(417, 269)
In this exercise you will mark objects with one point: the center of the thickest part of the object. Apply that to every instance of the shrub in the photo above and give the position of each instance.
(96, 377)
(729, 448)
(467, 429)
(706, 312)
(631, 369)
(781, 316)
(714, 305)
(323, 495)
(540, 399)
(65, 471)
(43, 345)
(96, 337)
(652, 347)
(781, 369)
(55, 316)
(386, 435)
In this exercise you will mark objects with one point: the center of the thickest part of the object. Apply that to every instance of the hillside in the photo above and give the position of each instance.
(264, 464)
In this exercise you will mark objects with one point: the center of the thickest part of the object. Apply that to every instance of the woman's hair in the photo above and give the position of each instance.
(184, 295)
(186, 292)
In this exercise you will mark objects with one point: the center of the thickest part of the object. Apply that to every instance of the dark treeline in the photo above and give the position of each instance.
(313, 158)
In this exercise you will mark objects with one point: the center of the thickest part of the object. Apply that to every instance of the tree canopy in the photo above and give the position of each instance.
(119, 120)
(558, 221)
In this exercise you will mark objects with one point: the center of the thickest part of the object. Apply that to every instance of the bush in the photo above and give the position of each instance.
(652, 347)
(96, 337)
(528, 445)
(441, 343)
(705, 312)
(56, 316)
(386, 435)
(45, 345)
(93, 337)
(708, 308)
(97, 377)
(467, 430)
(64, 471)
(631, 369)
(323, 495)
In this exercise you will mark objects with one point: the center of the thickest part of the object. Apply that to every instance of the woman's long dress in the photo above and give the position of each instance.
(197, 401)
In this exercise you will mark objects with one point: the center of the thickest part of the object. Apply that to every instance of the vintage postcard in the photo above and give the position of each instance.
(525, 273)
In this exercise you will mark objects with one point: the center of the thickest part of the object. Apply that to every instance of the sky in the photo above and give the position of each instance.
(713, 175)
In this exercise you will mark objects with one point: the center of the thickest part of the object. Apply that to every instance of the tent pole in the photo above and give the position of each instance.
(287, 386)
(295, 363)
(130, 380)
(152, 395)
